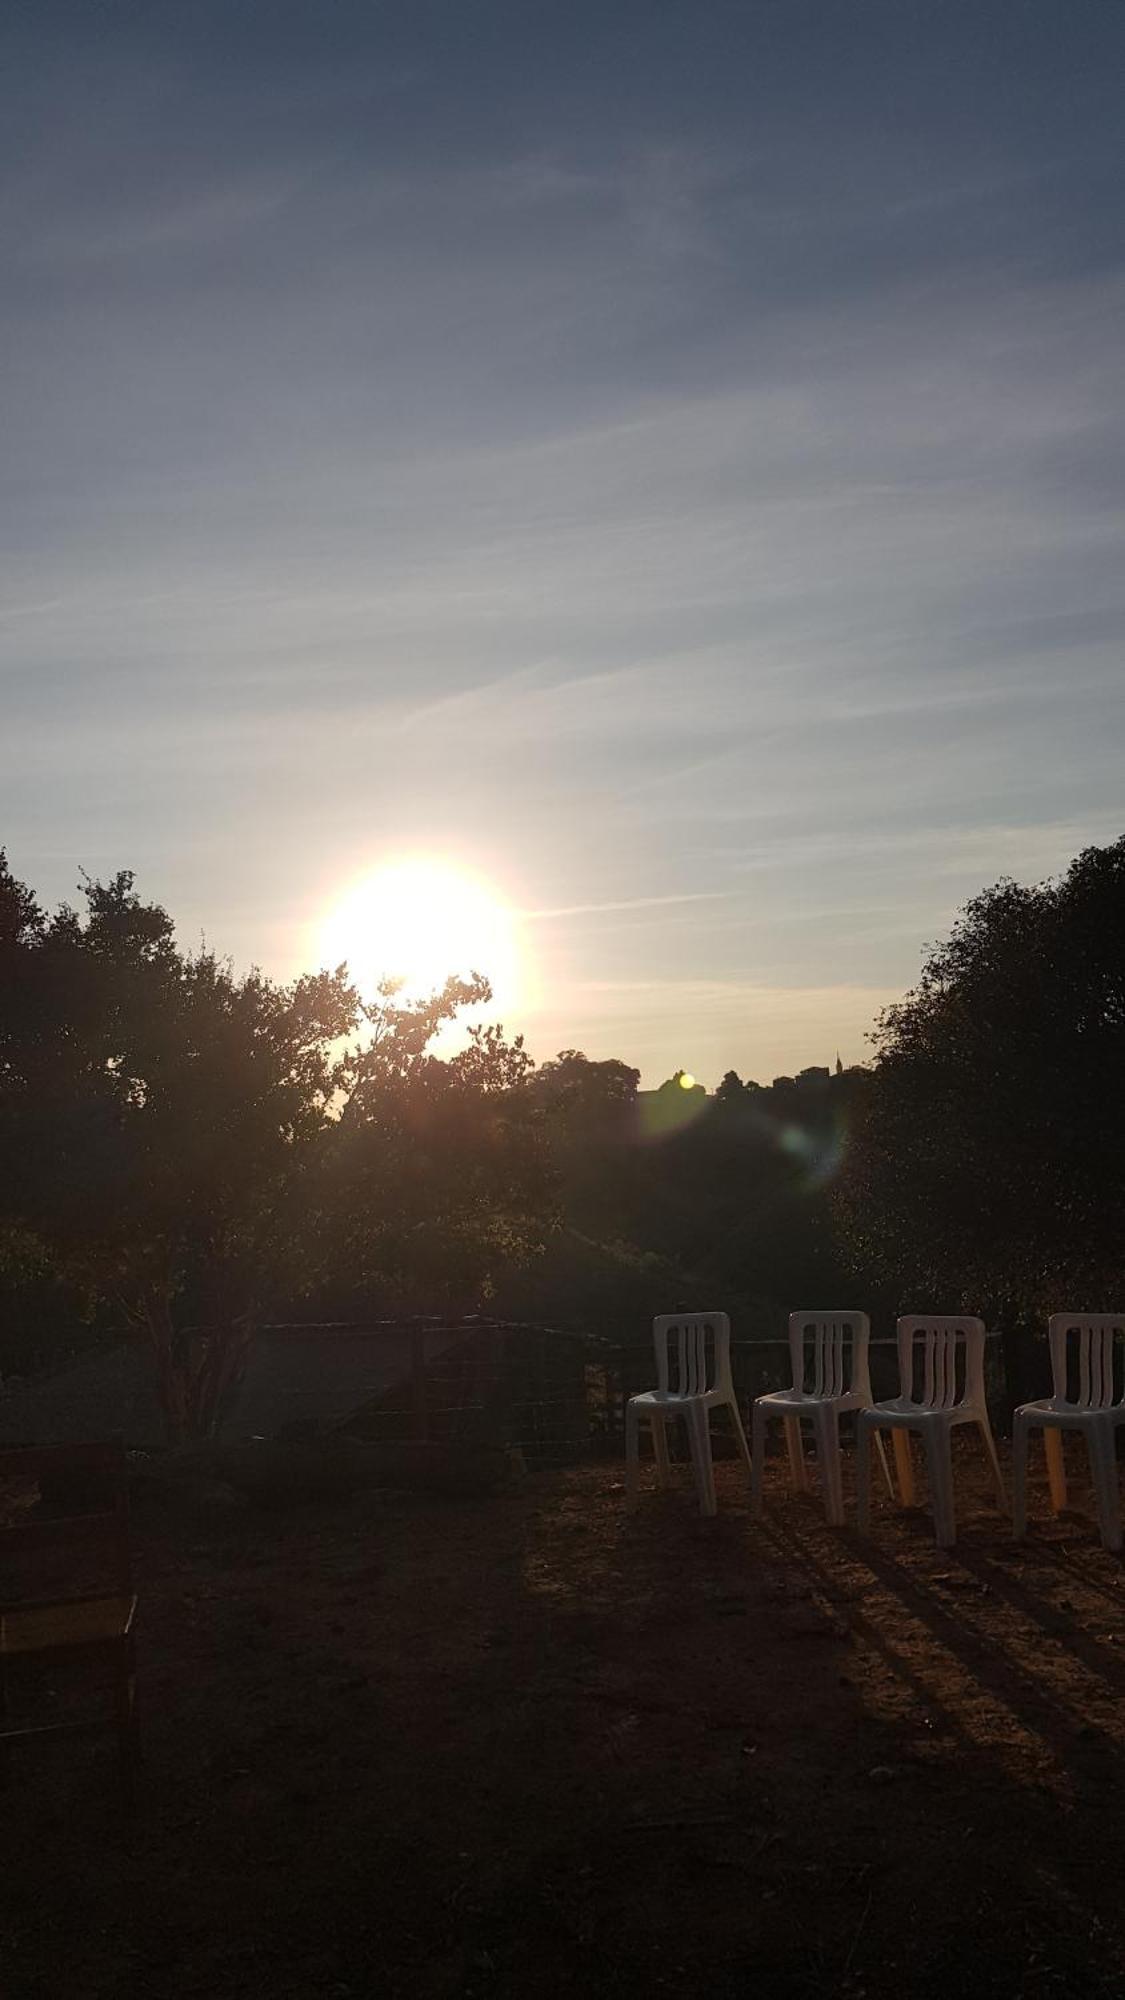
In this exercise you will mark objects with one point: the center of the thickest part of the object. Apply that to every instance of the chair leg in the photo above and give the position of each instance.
(863, 1430)
(740, 1436)
(632, 1452)
(1020, 1432)
(939, 1465)
(757, 1455)
(826, 1429)
(1103, 1464)
(985, 1429)
(1056, 1466)
(882, 1451)
(5, 1754)
(699, 1434)
(904, 1467)
(660, 1451)
(798, 1471)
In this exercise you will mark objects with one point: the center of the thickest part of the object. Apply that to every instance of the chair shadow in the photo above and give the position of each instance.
(995, 1575)
(1074, 1743)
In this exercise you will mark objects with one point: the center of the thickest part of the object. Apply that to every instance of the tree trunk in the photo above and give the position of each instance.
(197, 1369)
(221, 1361)
(156, 1316)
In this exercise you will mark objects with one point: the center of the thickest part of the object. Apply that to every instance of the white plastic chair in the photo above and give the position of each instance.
(693, 1378)
(828, 1351)
(952, 1392)
(1092, 1342)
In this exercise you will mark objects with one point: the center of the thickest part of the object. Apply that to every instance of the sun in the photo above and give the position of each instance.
(418, 921)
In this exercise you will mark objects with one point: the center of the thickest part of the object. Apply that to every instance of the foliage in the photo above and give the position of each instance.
(159, 1118)
(738, 1198)
(593, 1286)
(581, 1093)
(986, 1167)
(196, 1146)
(439, 1174)
(725, 1201)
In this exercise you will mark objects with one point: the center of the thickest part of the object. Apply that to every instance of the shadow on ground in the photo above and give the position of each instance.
(538, 1744)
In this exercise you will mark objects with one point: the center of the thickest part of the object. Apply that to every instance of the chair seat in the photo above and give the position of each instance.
(902, 1414)
(1048, 1411)
(795, 1401)
(670, 1399)
(49, 1628)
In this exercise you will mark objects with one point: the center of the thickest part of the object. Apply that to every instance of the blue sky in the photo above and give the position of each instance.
(666, 459)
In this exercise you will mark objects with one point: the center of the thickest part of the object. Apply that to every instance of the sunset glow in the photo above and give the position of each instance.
(419, 921)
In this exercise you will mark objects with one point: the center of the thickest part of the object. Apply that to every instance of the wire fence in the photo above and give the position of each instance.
(549, 1392)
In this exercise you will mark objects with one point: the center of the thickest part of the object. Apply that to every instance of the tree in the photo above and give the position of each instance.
(439, 1173)
(681, 1080)
(985, 1167)
(731, 1089)
(197, 1146)
(578, 1090)
(159, 1121)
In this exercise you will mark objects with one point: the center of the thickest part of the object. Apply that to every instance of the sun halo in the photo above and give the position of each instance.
(418, 921)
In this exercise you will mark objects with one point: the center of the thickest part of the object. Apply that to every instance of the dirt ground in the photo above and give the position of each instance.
(540, 1745)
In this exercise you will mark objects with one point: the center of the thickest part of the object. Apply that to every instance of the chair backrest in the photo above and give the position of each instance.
(62, 1505)
(692, 1352)
(829, 1353)
(950, 1351)
(1088, 1359)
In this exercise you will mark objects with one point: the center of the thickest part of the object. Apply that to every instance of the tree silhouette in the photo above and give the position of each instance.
(159, 1120)
(986, 1167)
(731, 1089)
(196, 1146)
(438, 1171)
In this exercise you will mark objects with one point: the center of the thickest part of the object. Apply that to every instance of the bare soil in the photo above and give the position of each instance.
(540, 1745)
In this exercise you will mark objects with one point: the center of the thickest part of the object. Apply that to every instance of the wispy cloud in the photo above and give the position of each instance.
(627, 903)
(698, 505)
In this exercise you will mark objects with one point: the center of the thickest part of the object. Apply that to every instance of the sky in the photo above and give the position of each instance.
(664, 459)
